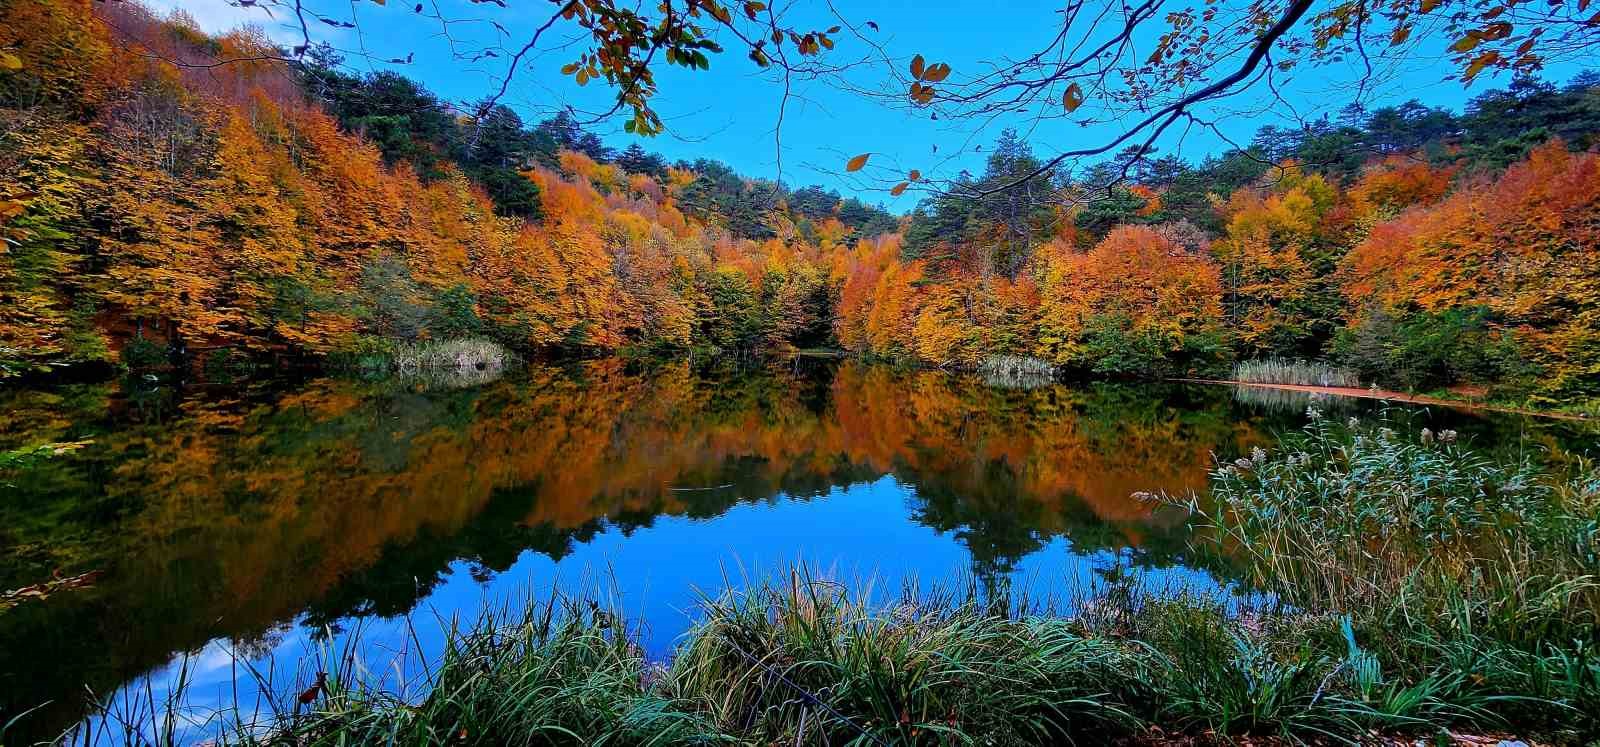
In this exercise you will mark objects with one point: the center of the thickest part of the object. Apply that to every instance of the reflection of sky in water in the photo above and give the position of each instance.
(857, 532)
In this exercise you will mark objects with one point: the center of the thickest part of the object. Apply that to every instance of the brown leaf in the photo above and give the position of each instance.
(856, 163)
(1464, 44)
(1072, 98)
(914, 175)
(1483, 60)
(917, 67)
(1495, 31)
(1401, 33)
(899, 189)
(936, 72)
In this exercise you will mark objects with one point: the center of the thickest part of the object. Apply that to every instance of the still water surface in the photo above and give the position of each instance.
(267, 523)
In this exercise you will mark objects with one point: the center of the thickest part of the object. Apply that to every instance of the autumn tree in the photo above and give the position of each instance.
(1275, 265)
(1137, 304)
(1508, 261)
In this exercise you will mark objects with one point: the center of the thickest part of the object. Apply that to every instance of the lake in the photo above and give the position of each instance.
(262, 525)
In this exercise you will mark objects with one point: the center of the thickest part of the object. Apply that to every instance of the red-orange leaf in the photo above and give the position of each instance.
(856, 163)
(899, 189)
(917, 64)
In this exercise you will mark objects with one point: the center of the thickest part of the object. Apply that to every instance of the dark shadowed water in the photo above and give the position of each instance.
(266, 523)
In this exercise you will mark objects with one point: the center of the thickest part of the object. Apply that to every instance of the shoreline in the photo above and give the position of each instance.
(1390, 396)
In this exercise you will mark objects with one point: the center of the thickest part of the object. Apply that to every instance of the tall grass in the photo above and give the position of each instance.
(808, 660)
(1473, 582)
(452, 354)
(1402, 584)
(1302, 373)
(1016, 371)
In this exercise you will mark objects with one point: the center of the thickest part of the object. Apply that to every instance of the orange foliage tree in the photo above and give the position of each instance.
(1274, 260)
(1136, 302)
(1524, 248)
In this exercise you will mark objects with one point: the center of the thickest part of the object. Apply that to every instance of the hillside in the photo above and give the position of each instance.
(238, 207)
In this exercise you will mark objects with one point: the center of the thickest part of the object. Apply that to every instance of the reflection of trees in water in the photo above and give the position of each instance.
(1292, 400)
(451, 377)
(228, 515)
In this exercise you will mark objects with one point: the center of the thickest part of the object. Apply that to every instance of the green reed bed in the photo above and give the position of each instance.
(1469, 584)
(1415, 586)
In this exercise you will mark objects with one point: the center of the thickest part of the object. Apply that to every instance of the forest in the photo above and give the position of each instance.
(260, 213)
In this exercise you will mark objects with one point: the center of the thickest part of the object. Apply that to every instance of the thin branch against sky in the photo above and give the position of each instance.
(1011, 68)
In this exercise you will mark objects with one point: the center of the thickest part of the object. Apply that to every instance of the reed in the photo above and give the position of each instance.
(1301, 373)
(453, 355)
(1016, 372)
(1472, 580)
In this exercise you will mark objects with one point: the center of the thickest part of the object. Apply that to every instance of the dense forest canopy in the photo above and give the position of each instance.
(278, 207)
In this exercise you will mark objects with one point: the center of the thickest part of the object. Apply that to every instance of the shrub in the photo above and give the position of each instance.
(1423, 350)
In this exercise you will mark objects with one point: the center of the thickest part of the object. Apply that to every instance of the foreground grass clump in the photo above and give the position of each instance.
(558, 672)
(813, 661)
(1472, 582)
(1400, 585)
(1300, 373)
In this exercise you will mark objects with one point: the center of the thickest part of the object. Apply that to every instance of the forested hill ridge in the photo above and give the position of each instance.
(263, 208)
(160, 212)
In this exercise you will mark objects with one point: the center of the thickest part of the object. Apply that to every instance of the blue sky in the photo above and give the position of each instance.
(731, 111)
